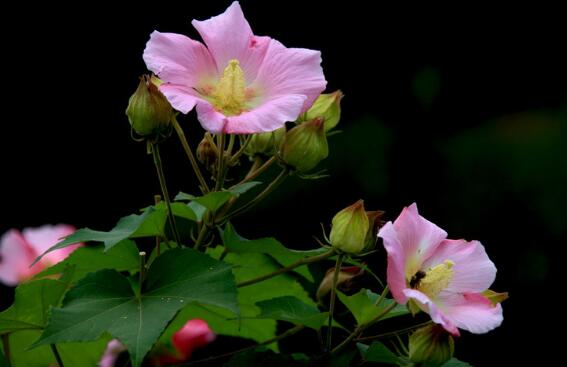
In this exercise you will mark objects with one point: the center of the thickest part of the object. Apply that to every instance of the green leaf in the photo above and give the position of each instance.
(33, 300)
(378, 353)
(105, 301)
(122, 257)
(72, 354)
(244, 187)
(291, 309)
(246, 325)
(362, 307)
(270, 246)
(213, 201)
(454, 362)
(150, 223)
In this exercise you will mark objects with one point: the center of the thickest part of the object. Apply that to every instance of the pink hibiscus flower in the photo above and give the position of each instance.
(240, 83)
(18, 250)
(194, 334)
(443, 277)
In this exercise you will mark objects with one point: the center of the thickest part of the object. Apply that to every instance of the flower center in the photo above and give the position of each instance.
(229, 94)
(433, 280)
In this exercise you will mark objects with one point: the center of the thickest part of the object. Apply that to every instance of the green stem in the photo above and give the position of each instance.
(382, 296)
(361, 328)
(240, 151)
(222, 157)
(231, 140)
(304, 261)
(161, 176)
(6, 346)
(142, 256)
(277, 181)
(332, 301)
(258, 171)
(204, 187)
(395, 332)
(56, 355)
(277, 338)
(157, 200)
(202, 233)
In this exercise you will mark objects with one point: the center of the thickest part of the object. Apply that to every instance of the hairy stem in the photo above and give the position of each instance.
(361, 328)
(221, 161)
(332, 301)
(161, 176)
(304, 261)
(56, 355)
(204, 187)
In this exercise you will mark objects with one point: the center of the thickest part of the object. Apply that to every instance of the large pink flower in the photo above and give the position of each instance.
(240, 83)
(443, 277)
(18, 251)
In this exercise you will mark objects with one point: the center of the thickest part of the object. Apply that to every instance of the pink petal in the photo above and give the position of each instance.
(229, 36)
(111, 353)
(183, 99)
(418, 236)
(194, 334)
(179, 60)
(44, 237)
(472, 270)
(471, 311)
(291, 71)
(268, 116)
(409, 241)
(427, 305)
(396, 262)
(16, 255)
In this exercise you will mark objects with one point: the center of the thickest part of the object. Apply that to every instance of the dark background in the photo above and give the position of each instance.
(462, 110)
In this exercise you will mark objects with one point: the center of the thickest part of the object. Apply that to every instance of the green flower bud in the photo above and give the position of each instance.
(431, 346)
(148, 110)
(350, 228)
(266, 144)
(305, 145)
(327, 107)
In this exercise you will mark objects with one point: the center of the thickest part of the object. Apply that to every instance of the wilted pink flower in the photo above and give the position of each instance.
(444, 277)
(113, 350)
(194, 334)
(18, 250)
(240, 83)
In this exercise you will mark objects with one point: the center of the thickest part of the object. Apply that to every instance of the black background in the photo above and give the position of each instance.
(462, 110)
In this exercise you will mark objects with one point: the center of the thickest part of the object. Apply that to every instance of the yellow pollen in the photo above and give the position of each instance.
(436, 278)
(229, 94)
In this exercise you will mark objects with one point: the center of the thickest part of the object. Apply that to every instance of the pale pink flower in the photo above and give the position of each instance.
(111, 353)
(194, 334)
(443, 277)
(18, 251)
(240, 83)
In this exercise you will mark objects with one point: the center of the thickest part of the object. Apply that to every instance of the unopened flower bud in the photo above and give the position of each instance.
(431, 346)
(206, 153)
(266, 144)
(349, 229)
(305, 145)
(328, 107)
(148, 110)
(375, 223)
(346, 276)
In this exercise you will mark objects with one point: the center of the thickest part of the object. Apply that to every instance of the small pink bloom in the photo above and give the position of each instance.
(443, 277)
(18, 250)
(113, 350)
(239, 83)
(194, 334)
